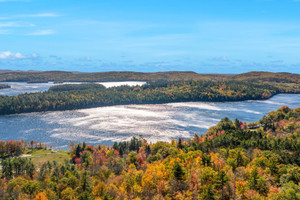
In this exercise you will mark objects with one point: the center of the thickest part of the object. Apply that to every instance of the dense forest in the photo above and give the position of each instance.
(68, 97)
(4, 86)
(233, 160)
(70, 87)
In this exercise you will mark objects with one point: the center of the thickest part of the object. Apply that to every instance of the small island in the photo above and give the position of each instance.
(4, 86)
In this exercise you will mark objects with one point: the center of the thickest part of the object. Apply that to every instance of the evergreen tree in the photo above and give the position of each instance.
(178, 171)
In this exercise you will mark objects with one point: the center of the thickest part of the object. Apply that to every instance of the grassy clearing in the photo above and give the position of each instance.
(41, 156)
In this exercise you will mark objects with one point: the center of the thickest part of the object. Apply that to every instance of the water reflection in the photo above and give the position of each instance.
(161, 122)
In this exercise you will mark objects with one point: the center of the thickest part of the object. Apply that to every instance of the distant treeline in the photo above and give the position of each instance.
(62, 76)
(68, 97)
(4, 86)
(69, 87)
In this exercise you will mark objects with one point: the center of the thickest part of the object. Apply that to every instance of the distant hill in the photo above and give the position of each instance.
(282, 77)
(63, 76)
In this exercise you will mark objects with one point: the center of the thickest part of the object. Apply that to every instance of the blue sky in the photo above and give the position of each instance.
(215, 36)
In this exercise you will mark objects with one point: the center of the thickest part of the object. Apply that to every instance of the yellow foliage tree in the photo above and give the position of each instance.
(41, 196)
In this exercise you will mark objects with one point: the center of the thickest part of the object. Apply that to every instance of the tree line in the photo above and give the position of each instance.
(70, 87)
(15, 148)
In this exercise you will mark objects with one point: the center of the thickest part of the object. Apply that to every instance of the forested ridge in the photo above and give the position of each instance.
(68, 97)
(63, 76)
(233, 160)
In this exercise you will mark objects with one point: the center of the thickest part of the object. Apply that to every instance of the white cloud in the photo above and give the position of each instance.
(13, 24)
(49, 14)
(43, 32)
(35, 15)
(8, 55)
(34, 55)
(8, 27)
(220, 59)
(13, 0)
(9, 24)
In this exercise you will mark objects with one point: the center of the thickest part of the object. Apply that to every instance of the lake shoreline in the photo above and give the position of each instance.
(154, 122)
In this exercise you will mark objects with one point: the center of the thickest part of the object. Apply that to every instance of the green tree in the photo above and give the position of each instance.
(31, 188)
(178, 171)
(237, 123)
(133, 159)
(7, 168)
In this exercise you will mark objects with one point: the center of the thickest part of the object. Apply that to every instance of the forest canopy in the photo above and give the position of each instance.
(70, 87)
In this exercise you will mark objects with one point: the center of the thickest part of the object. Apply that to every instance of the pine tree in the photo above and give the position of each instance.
(237, 123)
(178, 171)
(179, 145)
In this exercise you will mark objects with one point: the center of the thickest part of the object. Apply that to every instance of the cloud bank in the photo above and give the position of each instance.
(8, 55)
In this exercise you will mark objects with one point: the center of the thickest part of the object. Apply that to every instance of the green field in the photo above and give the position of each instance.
(41, 156)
